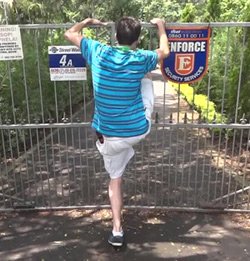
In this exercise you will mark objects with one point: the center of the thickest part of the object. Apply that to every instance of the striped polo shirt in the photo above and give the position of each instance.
(117, 75)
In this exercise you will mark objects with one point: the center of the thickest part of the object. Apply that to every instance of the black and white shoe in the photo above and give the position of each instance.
(116, 241)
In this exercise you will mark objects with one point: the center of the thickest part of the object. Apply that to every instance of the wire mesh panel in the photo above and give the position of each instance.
(195, 156)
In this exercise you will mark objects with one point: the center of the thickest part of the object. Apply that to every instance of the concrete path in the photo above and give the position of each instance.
(150, 235)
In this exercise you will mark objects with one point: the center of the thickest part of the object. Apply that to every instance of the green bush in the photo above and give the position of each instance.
(200, 102)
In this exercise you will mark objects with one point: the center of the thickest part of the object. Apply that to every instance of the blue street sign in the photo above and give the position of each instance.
(66, 63)
(188, 59)
(66, 60)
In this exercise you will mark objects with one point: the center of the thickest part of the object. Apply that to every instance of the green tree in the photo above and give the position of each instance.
(189, 13)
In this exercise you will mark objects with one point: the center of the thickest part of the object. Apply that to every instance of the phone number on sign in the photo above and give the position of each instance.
(67, 70)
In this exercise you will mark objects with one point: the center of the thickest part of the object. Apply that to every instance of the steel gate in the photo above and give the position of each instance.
(48, 154)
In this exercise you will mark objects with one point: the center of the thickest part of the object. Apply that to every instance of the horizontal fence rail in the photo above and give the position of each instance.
(192, 160)
(145, 25)
(88, 124)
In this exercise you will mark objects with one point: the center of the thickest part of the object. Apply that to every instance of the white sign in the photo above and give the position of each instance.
(66, 64)
(10, 43)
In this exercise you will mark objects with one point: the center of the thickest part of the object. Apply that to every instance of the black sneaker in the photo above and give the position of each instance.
(116, 240)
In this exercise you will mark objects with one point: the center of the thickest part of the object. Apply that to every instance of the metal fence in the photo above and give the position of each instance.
(48, 154)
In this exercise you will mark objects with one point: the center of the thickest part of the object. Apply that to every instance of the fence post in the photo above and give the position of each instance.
(113, 39)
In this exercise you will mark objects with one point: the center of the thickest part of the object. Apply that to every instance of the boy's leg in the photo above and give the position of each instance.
(147, 92)
(115, 197)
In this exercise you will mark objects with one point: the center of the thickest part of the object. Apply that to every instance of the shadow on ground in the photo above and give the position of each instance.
(151, 235)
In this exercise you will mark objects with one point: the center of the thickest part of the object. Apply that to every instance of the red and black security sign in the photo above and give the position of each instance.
(188, 59)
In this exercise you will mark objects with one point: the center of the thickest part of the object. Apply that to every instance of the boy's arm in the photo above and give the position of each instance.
(74, 35)
(163, 50)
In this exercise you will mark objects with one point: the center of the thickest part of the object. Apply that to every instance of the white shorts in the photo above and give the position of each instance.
(118, 151)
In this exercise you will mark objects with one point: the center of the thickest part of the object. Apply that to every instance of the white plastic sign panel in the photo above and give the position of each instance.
(66, 63)
(10, 43)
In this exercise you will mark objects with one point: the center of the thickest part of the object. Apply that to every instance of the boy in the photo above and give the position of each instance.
(123, 99)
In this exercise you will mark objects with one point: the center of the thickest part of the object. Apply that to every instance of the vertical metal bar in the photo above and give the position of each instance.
(240, 76)
(6, 171)
(196, 169)
(162, 166)
(169, 165)
(149, 172)
(178, 109)
(94, 171)
(39, 164)
(210, 166)
(84, 102)
(27, 169)
(56, 103)
(39, 77)
(176, 165)
(12, 161)
(67, 164)
(142, 167)
(87, 163)
(210, 73)
(102, 180)
(47, 165)
(217, 164)
(74, 163)
(238, 166)
(28, 110)
(80, 162)
(245, 166)
(5, 12)
(135, 179)
(60, 160)
(13, 107)
(150, 39)
(222, 113)
(248, 200)
(204, 161)
(26, 91)
(164, 103)
(20, 169)
(190, 165)
(72, 138)
(59, 143)
(33, 164)
(53, 166)
(183, 164)
(86, 141)
(11, 93)
(14, 119)
(113, 31)
(225, 72)
(231, 168)
(193, 98)
(70, 102)
(156, 158)
(224, 164)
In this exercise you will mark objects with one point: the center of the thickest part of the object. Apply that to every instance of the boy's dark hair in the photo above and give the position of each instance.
(128, 30)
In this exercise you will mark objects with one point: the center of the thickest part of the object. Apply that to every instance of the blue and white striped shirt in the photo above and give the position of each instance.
(117, 76)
